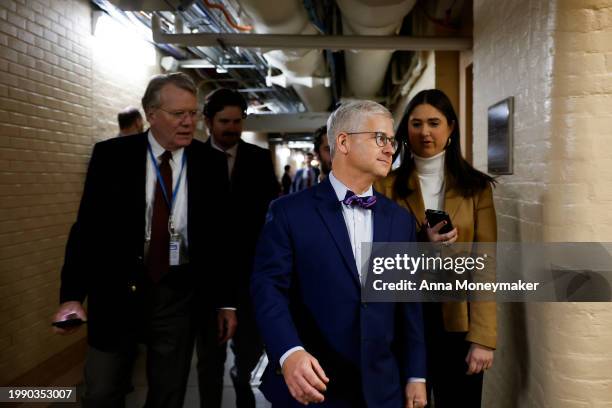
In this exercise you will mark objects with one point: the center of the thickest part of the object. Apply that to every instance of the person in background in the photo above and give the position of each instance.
(141, 251)
(460, 337)
(248, 172)
(286, 180)
(321, 149)
(307, 176)
(324, 345)
(130, 122)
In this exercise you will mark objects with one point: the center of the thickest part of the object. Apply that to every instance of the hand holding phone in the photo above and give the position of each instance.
(69, 317)
(72, 320)
(434, 217)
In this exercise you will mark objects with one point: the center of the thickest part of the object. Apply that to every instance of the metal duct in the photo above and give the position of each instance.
(365, 70)
(290, 17)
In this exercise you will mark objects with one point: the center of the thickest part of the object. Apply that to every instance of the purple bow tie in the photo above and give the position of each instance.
(351, 199)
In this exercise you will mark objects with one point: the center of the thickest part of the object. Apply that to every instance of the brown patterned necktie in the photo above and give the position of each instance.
(158, 259)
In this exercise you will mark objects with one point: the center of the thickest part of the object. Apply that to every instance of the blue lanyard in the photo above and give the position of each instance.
(161, 180)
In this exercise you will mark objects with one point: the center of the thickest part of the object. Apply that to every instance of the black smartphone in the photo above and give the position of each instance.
(436, 216)
(72, 320)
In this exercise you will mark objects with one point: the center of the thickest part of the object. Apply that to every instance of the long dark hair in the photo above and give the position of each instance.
(458, 173)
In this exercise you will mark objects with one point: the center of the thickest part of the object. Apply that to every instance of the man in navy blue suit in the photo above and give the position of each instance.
(325, 345)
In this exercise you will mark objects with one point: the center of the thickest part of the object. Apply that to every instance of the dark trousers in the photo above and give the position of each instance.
(168, 333)
(247, 348)
(446, 366)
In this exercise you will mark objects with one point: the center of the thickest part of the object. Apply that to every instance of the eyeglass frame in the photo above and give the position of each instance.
(394, 142)
(180, 115)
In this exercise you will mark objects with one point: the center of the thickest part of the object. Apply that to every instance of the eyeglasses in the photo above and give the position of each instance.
(180, 115)
(381, 138)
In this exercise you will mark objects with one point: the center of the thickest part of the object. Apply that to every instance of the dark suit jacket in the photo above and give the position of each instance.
(298, 181)
(252, 187)
(104, 255)
(307, 293)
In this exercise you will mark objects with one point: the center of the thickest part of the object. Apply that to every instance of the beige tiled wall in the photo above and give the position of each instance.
(553, 57)
(58, 96)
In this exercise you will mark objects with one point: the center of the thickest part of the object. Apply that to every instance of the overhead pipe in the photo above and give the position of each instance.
(229, 18)
(282, 17)
(315, 42)
(365, 70)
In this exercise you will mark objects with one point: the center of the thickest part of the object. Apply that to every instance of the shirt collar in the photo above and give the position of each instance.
(158, 150)
(340, 189)
(231, 151)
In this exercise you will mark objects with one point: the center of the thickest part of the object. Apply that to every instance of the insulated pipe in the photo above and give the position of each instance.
(309, 42)
(289, 17)
(365, 70)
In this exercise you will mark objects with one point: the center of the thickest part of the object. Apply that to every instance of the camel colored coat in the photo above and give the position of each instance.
(474, 218)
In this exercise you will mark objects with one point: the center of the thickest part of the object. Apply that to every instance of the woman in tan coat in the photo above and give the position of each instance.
(460, 336)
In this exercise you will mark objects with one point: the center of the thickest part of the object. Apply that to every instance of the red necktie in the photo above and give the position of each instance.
(158, 259)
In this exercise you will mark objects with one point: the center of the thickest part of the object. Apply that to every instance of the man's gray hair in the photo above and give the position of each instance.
(350, 116)
(151, 100)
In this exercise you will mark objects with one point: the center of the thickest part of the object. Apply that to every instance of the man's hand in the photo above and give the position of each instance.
(305, 378)
(416, 395)
(64, 310)
(479, 358)
(226, 324)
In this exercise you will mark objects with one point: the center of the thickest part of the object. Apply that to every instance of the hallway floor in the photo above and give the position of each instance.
(137, 397)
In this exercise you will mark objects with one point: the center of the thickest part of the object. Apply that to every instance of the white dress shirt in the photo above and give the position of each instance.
(358, 222)
(230, 154)
(179, 208)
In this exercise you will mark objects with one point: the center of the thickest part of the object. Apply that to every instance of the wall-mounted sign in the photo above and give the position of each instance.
(501, 129)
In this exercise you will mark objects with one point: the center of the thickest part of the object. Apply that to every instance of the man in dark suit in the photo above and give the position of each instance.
(324, 345)
(286, 180)
(140, 248)
(305, 177)
(252, 184)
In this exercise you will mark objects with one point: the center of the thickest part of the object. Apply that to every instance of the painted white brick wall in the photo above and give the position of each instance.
(554, 58)
(57, 98)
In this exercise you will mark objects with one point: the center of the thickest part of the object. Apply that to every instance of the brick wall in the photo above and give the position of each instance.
(554, 58)
(58, 95)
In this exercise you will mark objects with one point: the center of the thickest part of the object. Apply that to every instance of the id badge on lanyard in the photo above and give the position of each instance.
(175, 237)
(175, 244)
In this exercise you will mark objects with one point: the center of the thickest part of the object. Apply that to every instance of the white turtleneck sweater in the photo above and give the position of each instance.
(431, 178)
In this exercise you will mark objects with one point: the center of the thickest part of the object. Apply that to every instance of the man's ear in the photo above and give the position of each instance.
(342, 143)
(148, 114)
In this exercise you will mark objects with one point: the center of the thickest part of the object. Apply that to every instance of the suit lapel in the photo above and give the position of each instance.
(193, 180)
(239, 167)
(330, 210)
(452, 202)
(415, 199)
(381, 220)
(134, 182)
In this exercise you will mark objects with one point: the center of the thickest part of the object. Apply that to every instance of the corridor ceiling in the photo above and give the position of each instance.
(299, 57)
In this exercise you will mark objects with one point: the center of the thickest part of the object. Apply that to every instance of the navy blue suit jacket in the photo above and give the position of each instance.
(306, 292)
